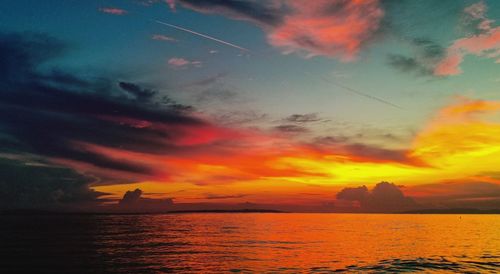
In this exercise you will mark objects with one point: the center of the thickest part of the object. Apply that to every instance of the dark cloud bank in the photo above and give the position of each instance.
(52, 114)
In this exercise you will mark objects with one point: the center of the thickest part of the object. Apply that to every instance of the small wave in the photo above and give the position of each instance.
(416, 265)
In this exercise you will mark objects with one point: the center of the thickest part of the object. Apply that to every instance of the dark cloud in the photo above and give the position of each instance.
(30, 184)
(67, 119)
(139, 93)
(132, 201)
(364, 152)
(353, 193)
(260, 12)
(426, 55)
(52, 114)
(384, 197)
(290, 128)
(131, 197)
(303, 118)
(477, 194)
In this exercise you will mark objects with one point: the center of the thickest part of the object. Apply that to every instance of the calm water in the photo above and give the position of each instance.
(288, 243)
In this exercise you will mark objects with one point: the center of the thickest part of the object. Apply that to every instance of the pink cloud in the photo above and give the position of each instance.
(171, 4)
(333, 29)
(178, 62)
(485, 44)
(450, 65)
(161, 37)
(114, 11)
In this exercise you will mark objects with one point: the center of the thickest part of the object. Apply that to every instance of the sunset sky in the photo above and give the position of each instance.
(292, 105)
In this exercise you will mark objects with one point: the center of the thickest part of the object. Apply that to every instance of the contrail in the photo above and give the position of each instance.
(361, 93)
(202, 35)
(357, 92)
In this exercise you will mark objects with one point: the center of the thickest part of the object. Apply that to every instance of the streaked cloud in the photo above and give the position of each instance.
(161, 37)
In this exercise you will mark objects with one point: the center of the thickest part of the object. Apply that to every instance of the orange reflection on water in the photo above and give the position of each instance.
(306, 242)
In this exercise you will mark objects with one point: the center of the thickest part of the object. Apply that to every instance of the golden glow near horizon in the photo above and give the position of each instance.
(460, 143)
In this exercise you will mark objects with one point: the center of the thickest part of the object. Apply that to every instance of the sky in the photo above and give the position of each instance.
(331, 105)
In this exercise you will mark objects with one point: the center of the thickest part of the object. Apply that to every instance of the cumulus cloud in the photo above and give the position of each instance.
(336, 29)
(384, 197)
(133, 201)
(486, 43)
(113, 10)
(131, 197)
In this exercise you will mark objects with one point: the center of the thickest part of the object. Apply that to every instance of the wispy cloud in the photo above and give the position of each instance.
(179, 62)
(426, 55)
(161, 37)
(113, 10)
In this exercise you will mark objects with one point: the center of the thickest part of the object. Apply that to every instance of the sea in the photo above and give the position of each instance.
(250, 243)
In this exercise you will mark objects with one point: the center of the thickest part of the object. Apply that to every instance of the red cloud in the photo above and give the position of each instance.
(114, 11)
(334, 29)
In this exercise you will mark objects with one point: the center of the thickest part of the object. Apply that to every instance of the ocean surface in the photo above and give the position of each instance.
(250, 243)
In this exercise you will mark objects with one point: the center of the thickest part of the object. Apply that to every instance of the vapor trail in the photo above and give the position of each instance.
(357, 92)
(361, 93)
(202, 35)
